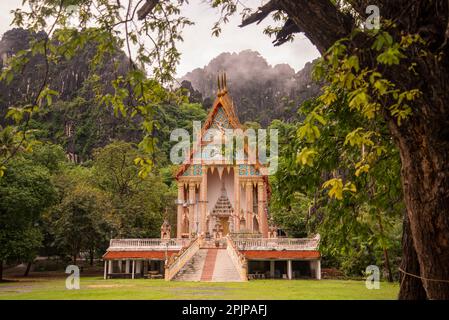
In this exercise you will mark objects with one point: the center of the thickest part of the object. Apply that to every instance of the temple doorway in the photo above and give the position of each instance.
(224, 221)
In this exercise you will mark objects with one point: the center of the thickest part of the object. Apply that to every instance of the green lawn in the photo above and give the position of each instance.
(97, 288)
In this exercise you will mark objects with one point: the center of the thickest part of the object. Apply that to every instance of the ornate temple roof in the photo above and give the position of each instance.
(221, 115)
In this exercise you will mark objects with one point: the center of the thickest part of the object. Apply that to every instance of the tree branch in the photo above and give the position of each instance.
(261, 13)
(146, 9)
(320, 20)
(288, 29)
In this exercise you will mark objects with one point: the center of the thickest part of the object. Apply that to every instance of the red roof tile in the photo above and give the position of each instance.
(110, 255)
(284, 254)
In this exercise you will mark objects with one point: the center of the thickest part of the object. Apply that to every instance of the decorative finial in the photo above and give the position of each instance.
(222, 85)
(222, 82)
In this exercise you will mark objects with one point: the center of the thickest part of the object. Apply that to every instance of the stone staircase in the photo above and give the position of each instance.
(193, 269)
(225, 270)
(209, 264)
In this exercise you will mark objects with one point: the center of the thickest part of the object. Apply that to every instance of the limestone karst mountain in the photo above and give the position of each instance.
(74, 120)
(261, 92)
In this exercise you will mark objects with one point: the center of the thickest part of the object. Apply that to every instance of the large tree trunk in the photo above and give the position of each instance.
(411, 287)
(1, 270)
(423, 138)
(424, 150)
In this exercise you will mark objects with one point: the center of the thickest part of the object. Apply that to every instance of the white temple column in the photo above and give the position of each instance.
(105, 269)
(120, 266)
(134, 268)
(289, 269)
(261, 202)
(203, 199)
(181, 201)
(127, 266)
(236, 200)
(272, 273)
(110, 266)
(318, 269)
(191, 208)
(249, 205)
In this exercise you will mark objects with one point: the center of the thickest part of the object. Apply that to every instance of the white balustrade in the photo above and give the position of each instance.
(238, 259)
(304, 244)
(177, 261)
(147, 244)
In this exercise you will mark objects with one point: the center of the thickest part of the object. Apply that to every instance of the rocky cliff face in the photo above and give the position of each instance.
(65, 76)
(261, 92)
(74, 120)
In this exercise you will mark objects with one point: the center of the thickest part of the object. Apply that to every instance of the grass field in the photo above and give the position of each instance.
(97, 288)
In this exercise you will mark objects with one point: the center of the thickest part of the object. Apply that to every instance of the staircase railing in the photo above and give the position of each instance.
(177, 261)
(238, 259)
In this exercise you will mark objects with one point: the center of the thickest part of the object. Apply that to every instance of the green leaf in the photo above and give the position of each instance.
(362, 169)
(15, 113)
(391, 56)
(306, 157)
(350, 187)
(335, 187)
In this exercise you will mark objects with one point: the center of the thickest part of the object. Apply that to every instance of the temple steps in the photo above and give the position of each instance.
(225, 270)
(193, 269)
(209, 264)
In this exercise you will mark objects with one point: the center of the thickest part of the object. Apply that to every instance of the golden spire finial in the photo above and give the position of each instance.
(221, 80)
(224, 81)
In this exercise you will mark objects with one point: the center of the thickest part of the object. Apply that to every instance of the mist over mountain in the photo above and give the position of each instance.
(261, 92)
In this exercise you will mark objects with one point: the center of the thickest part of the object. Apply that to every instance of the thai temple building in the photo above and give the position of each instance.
(223, 229)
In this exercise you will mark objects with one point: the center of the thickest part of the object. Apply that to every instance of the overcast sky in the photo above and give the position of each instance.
(200, 46)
